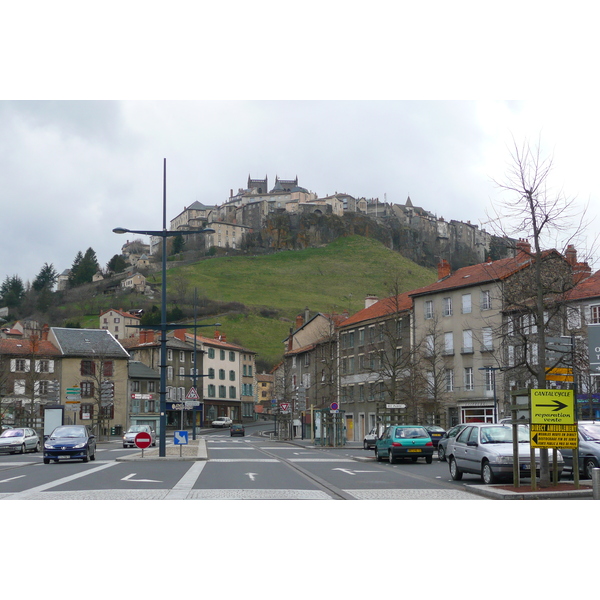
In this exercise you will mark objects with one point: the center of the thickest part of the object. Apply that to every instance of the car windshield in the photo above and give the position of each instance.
(12, 433)
(590, 432)
(411, 432)
(435, 428)
(499, 434)
(68, 432)
(137, 428)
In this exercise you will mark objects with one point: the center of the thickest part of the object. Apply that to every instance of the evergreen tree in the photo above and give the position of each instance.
(45, 279)
(85, 266)
(117, 264)
(12, 291)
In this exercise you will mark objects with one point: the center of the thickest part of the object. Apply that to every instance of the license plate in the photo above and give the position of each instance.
(414, 450)
(65, 456)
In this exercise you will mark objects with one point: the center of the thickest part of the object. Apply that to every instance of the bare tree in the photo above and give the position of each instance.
(537, 212)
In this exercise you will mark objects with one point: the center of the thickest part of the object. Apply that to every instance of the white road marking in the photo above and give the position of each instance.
(129, 478)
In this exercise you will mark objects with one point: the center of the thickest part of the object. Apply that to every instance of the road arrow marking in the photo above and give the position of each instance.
(12, 478)
(344, 471)
(251, 475)
(128, 478)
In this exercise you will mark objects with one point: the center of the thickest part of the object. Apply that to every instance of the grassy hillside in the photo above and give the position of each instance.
(256, 298)
(333, 278)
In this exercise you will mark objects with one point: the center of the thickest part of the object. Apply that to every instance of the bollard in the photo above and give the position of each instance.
(596, 483)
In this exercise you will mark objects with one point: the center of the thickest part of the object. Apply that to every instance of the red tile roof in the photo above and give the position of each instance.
(481, 273)
(23, 347)
(588, 288)
(381, 308)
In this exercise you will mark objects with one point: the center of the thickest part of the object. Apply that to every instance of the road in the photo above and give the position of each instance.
(251, 467)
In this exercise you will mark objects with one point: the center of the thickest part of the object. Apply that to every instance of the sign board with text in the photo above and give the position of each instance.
(553, 422)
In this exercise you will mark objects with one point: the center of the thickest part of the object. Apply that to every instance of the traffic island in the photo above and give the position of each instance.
(194, 450)
(561, 491)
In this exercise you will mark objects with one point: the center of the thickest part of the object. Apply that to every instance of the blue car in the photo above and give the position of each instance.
(404, 441)
(70, 442)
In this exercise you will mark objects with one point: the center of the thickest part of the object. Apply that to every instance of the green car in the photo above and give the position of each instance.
(404, 441)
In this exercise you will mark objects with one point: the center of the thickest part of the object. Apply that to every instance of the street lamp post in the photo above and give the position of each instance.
(164, 234)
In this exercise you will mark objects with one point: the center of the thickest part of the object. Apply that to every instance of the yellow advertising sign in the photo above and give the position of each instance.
(552, 406)
(553, 436)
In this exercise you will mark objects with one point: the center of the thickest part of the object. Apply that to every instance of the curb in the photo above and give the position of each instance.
(188, 452)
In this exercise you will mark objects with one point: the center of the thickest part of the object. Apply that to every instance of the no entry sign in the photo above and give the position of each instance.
(143, 440)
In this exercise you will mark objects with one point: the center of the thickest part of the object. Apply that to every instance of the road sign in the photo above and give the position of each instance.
(192, 394)
(191, 404)
(180, 438)
(560, 374)
(142, 440)
(553, 436)
(552, 407)
(284, 406)
(594, 348)
(334, 406)
(395, 405)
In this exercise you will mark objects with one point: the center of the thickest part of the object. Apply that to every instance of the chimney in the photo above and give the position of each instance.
(306, 314)
(523, 245)
(571, 255)
(290, 341)
(220, 336)
(370, 300)
(299, 321)
(581, 271)
(444, 269)
(179, 334)
(45, 330)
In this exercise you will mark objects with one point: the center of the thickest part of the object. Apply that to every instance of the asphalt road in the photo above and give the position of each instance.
(250, 467)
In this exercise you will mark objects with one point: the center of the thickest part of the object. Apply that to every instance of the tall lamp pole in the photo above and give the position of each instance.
(164, 234)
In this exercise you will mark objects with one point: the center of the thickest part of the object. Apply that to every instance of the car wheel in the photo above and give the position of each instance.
(23, 449)
(37, 447)
(378, 456)
(46, 461)
(429, 459)
(441, 453)
(487, 474)
(455, 472)
(365, 445)
(87, 456)
(588, 466)
(93, 456)
(391, 458)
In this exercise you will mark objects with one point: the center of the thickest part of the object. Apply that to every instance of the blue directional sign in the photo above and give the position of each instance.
(180, 438)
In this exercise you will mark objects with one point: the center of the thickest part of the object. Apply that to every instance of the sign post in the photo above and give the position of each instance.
(554, 424)
(142, 440)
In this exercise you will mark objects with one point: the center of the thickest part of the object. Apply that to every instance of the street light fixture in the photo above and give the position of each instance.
(164, 234)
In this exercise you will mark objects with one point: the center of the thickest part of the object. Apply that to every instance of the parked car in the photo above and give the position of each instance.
(20, 439)
(237, 429)
(371, 437)
(446, 437)
(589, 448)
(129, 435)
(486, 449)
(404, 441)
(222, 422)
(70, 442)
(435, 433)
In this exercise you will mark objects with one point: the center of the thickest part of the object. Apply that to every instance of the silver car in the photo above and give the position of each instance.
(19, 439)
(129, 436)
(589, 448)
(486, 449)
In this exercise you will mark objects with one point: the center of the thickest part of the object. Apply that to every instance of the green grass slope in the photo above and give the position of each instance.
(333, 278)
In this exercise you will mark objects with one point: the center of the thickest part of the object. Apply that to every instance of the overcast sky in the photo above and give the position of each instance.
(73, 170)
